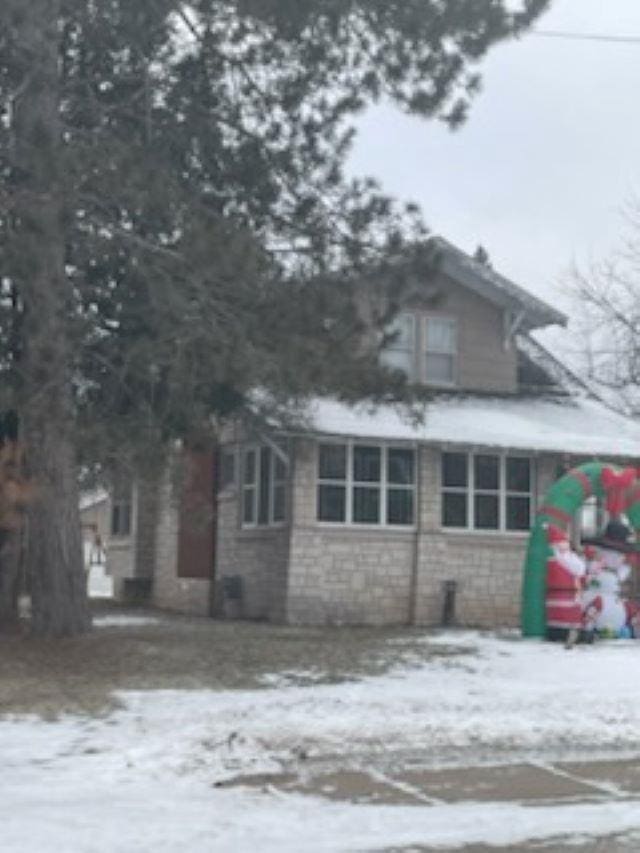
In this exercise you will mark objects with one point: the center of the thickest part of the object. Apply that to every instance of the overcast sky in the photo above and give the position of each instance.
(541, 170)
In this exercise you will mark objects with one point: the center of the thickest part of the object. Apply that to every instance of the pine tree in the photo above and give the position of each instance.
(176, 225)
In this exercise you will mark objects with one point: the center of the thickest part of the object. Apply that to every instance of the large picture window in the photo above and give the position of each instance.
(366, 484)
(423, 347)
(264, 478)
(482, 491)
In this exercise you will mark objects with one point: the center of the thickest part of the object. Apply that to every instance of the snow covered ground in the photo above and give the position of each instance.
(144, 778)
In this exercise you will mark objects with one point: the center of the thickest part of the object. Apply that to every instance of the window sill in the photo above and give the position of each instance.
(262, 529)
(485, 534)
(120, 540)
(366, 528)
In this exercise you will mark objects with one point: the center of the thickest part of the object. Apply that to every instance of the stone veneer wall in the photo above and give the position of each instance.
(377, 576)
(259, 556)
(169, 592)
(339, 575)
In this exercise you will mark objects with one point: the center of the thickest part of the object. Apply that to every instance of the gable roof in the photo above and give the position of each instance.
(501, 291)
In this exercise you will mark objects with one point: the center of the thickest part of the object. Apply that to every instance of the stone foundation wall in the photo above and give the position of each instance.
(349, 577)
(343, 574)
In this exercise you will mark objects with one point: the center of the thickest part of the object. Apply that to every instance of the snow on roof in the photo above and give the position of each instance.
(89, 499)
(577, 426)
(494, 286)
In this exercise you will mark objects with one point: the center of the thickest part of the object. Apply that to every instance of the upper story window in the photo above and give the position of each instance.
(482, 491)
(264, 478)
(424, 347)
(366, 484)
(440, 349)
(400, 353)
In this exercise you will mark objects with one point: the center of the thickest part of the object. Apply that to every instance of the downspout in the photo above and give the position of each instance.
(415, 551)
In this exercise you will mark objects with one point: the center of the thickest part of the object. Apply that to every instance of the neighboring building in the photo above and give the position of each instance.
(95, 511)
(367, 516)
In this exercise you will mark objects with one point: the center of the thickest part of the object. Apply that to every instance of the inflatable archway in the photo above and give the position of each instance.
(620, 488)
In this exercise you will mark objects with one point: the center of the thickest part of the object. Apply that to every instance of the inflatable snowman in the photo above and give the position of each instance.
(605, 610)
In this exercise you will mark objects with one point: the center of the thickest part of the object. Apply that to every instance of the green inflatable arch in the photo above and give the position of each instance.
(562, 502)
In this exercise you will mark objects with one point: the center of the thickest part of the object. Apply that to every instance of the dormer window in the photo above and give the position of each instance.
(400, 352)
(424, 347)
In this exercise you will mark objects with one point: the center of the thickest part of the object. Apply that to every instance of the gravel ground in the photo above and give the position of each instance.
(79, 675)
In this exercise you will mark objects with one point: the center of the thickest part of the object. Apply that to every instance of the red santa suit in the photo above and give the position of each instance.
(565, 574)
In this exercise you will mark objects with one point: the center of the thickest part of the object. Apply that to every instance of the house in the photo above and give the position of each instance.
(96, 509)
(367, 515)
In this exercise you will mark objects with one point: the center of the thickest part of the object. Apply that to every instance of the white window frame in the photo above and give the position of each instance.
(254, 487)
(420, 349)
(470, 491)
(411, 350)
(426, 349)
(383, 485)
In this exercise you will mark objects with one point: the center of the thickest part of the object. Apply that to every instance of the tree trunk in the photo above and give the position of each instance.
(10, 551)
(54, 545)
(54, 548)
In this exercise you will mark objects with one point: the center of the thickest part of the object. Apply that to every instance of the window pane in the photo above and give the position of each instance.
(250, 467)
(279, 503)
(486, 512)
(366, 505)
(487, 472)
(402, 328)
(439, 367)
(366, 464)
(441, 335)
(400, 506)
(454, 510)
(332, 462)
(400, 465)
(454, 469)
(248, 506)
(331, 503)
(397, 360)
(265, 485)
(518, 475)
(518, 513)
(121, 519)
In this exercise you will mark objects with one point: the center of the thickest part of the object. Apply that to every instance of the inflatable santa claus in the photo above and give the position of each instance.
(566, 571)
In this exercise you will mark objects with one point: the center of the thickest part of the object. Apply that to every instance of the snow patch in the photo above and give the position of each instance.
(121, 620)
(143, 779)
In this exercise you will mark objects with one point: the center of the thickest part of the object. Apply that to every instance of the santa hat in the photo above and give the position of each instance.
(555, 534)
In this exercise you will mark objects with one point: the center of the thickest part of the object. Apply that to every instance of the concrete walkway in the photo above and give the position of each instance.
(527, 783)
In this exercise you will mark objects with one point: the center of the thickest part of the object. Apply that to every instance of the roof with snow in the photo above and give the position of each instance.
(486, 282)
(581, 425)
(93, 498)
